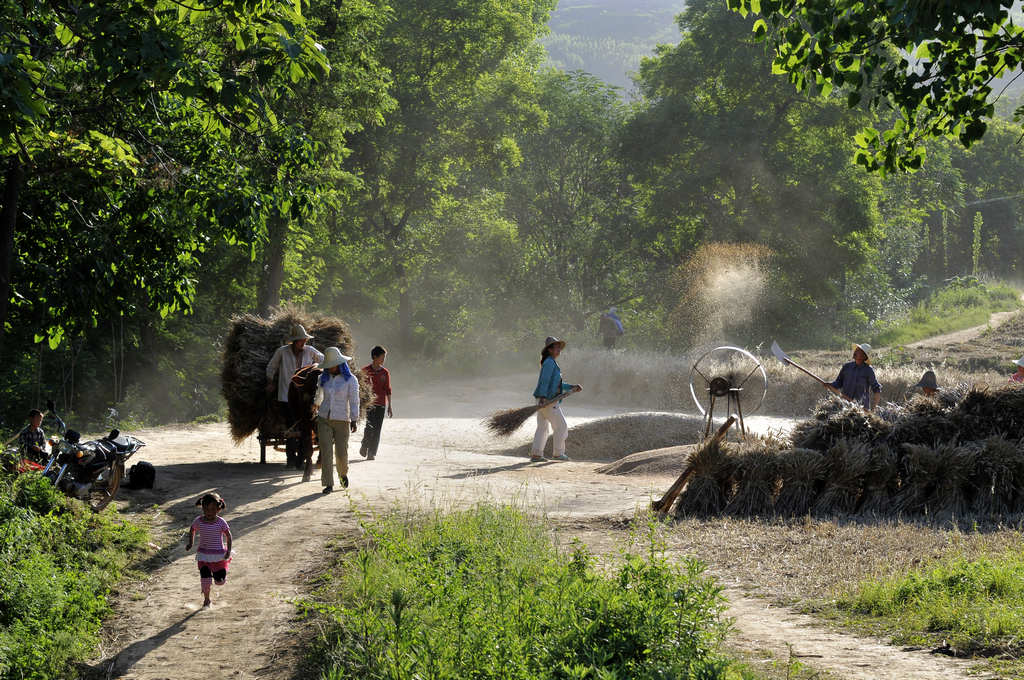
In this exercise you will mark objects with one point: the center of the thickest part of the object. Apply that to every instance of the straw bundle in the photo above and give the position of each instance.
(802, 473)
(248, 348)
(920, 468)
(881, 481)
(756, 479)
(998, 476)
(710, 483)
(953, 490)
(846, 464)
(837, 420)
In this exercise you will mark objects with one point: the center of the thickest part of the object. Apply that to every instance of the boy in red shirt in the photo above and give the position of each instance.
(381, 380)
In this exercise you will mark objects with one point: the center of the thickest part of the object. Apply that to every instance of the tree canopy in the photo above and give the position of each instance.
(929, 67)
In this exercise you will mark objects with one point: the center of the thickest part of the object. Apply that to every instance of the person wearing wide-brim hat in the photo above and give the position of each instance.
(549, 386)
(337, 404)
(286, 361)
(856, 380)
(928, 384)
(1018, 377)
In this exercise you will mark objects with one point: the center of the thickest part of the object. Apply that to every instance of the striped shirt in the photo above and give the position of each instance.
(210, 543)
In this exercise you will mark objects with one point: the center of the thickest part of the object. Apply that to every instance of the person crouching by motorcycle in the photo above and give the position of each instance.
(31, 439)
(213, 555)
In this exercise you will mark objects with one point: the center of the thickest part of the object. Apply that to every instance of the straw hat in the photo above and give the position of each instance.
(552, 340)
(928, 380)
(864, 347)
(298, 333)
(1020, 362)
(333, 357)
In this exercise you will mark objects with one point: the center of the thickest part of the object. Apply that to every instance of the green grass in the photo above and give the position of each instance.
(961, 304)
(58, 560)
(485, 594)
(974, 604)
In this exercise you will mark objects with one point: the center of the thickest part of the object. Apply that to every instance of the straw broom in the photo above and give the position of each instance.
(503, 423)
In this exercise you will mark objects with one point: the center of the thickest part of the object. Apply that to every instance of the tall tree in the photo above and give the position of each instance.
(461, 74)
(106, 109)
(570, 200)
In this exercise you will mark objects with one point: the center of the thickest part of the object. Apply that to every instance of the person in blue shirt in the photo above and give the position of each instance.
(549, 386)
(856, 380)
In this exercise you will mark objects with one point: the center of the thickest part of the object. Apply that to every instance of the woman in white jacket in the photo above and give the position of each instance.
(337, 404)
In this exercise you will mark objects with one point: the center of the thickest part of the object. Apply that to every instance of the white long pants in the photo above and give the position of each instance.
(550, 415)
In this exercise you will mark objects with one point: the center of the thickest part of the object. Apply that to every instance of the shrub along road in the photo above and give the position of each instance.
(283, 528)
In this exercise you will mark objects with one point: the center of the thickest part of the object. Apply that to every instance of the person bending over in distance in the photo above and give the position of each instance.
(856, 380)
(928, 384)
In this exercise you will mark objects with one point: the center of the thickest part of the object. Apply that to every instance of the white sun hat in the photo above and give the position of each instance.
(864, 347)
(298, 332)
(333, 357)
(1019, 362)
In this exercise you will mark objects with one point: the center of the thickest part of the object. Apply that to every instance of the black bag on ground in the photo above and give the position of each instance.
(142, 475)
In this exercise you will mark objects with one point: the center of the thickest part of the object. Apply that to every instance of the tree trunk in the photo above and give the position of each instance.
(13, 179)
(273, 264)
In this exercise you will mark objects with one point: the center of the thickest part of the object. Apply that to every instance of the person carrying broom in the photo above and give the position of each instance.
(549, 386)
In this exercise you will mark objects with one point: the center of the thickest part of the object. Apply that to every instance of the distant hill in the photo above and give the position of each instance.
(608, 38)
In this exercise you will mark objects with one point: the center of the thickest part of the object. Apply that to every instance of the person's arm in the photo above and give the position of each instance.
(318, 356)
(191, 536)
(876, 390)
(835, 387)
(547, 374)
(227, 532)
(353, 402)
(272, 366)
(387, 394)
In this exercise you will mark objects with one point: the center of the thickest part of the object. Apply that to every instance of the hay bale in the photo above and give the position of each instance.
(998, 476)
(801, 474)
(954, 491)
(837, 420)
(248, 348)
(920, 467)
(846, 464)
(671, 460)
(756, 481)
(710, 485)
(610, 439)
(881, 481)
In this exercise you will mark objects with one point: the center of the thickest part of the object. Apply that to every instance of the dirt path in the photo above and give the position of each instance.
(965, 335)
(282, 525)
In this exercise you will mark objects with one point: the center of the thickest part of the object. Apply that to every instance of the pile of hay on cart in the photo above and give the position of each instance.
(961, 454)
(248, 348)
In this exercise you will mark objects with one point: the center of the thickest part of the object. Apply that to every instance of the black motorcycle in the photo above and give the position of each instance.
(91, 471)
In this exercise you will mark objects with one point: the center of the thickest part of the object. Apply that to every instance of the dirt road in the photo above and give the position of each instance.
(437, 455)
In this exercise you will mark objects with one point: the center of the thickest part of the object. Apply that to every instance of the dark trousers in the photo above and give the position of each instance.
(371, 433)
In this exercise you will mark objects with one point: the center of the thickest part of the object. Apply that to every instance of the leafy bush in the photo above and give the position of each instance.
(57, 563)
(484, 594)
(975, 604)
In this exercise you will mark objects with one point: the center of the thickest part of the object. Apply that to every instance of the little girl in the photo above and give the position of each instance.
(212, 555)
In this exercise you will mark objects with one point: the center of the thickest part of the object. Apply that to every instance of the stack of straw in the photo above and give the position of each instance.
(248, 348)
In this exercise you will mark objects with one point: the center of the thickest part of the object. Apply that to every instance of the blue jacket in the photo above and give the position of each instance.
(549, 384)
(857, 382)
